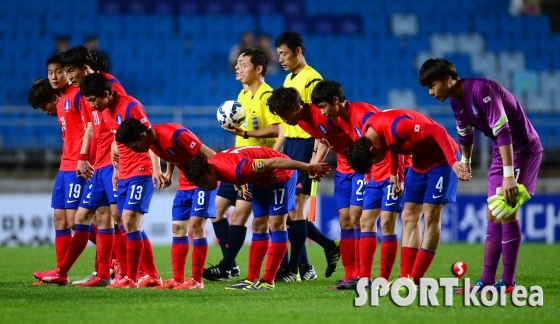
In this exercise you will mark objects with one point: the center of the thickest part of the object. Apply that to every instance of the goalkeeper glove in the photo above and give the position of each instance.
(502, 210)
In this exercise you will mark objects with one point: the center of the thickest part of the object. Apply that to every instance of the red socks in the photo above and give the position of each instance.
(119, 249)
(199, 252)
(179, 252)
(389, 247)
(408, 257)
(76, 246)
(423, 261)
(134, 248)
(257, 252)
(104, 248)
(368, 245)
(275, 253)
(147, 261)
(347, 251)
(61, 240)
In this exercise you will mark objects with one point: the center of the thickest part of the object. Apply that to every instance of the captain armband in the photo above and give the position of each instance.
(259, 165)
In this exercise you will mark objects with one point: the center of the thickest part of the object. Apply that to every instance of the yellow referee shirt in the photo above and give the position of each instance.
(257, 116)
(304, 82)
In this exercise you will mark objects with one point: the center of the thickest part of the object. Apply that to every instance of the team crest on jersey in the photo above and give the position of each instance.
(193, 144)
(487, 99)
(358, 131)
(474, 110)
(172, 151)
(119, 119)
(322, 128)
(67, 105)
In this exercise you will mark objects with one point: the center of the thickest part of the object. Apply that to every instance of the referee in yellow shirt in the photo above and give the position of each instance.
(261, 128)
(299, 145)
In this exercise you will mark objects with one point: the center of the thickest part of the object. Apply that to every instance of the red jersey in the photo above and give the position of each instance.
(131, 164)
(178, 145)
(358, 113)
(70, 120)
(100, 147)
(408, 132)
(237, 165)
(325, 131)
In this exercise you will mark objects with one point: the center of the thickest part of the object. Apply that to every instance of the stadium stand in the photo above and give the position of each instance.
(173, 55)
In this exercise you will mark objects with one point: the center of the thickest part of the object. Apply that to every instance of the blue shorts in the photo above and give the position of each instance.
(438, 186)
(349, 189)
(67, 191)
(275, 200)
(378, 196)
(300, 149)
(227, 191)
(195, 202)
(100, 191)
(135, 194)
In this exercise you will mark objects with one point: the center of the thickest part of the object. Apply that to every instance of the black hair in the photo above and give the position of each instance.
(292, 40)
(100, 63)
(257, 58)
(41, 92)
(436, 70)
(77, 56)
(55, 59)
(283, 100)
(359, 155)
(95, 84)
(129, 131)
(197, 167)
(326, 90)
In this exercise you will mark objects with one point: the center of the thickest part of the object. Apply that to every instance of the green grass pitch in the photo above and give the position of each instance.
(302, 302)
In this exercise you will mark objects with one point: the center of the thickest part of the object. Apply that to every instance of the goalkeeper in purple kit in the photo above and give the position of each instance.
(516, 156)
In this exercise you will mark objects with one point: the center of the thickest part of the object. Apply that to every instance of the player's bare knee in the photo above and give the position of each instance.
(84, 216)
(196, 225)
(180, 228)
(260, 225)
(277, 223)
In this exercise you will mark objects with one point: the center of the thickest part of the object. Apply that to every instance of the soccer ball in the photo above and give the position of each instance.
(231, 113)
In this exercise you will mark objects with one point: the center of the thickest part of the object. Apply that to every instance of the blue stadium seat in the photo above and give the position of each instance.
(272, 25)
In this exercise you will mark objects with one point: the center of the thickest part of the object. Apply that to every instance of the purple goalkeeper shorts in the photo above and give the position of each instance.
(525, 169)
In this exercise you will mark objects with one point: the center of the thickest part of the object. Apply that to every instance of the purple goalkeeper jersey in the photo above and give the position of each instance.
(490, 108)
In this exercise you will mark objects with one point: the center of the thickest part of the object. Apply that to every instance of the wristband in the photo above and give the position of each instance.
(314, 150)
(82, 157)
(508, 171)
(465, 160)
(245, 135)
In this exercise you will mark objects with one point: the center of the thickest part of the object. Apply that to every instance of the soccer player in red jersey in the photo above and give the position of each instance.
(273, 197)
(430, 183)
(96, 146)
(56, 96)
(378, 203)
(349, 184)
(177, 145)
(134, 173)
